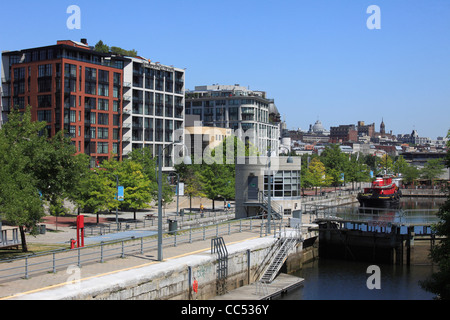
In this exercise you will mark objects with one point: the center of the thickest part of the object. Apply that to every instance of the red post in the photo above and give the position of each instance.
(80, 231)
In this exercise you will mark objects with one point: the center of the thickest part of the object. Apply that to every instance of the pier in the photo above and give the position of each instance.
(259, 291)
(372, 234)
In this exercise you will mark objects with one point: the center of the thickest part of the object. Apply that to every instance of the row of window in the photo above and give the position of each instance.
(284, 184)
(230, 102)
(219, 114)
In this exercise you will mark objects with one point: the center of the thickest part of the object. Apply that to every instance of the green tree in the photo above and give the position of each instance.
(20, 144)
(439, 282)
(410, 174)
(316, 174)
(386, 163)
(101, 47)
(149, 165)
(432, 169)
(96, 192)
(400, 165)
(336, 163)
(138, 192)
(191, 176)
(357, 170)
(59, 172)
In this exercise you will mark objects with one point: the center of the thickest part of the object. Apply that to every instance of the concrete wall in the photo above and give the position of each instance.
(167, 280)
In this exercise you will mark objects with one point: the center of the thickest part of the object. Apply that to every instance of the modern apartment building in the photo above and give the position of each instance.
(73, 89)
(153, 107)
(251, 116)
(108, 104)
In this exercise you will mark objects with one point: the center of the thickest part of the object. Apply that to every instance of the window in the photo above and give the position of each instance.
(103, 90)
(103, 133)
(70, 70)
(45, 70)
(70, 85)
(93, 117)
(72, 133)
(284, 184)
(44, 115)
(103, 76)
(90, 88)
(44, 101)
(103, 119)
(102, 147)
(91, 74)
(103, 104)
(45, 85)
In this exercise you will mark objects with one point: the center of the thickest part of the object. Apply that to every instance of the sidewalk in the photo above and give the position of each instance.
(43, 281)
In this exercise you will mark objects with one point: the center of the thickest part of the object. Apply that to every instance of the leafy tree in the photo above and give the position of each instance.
(103, 48)
(336, 163)
(410, 174)
(96, 192)
(149, 165)
(137, 187)
(372, 162)
(20, 143)
(439, 282)
(357, 170)
(316, 174)
(386, 163)
(400, 165)
(20, 203)
(432, 169)
(191, 176)
(59, 172)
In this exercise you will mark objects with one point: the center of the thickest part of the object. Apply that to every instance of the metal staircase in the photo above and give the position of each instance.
(276, 209)
(218, 246)
(286, 244)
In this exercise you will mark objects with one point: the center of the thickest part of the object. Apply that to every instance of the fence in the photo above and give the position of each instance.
(52, 261)
(183, 220)
(408, 217)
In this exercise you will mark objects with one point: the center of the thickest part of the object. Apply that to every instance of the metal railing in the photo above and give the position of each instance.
(184, 220)
(375, 216)
(52, 261)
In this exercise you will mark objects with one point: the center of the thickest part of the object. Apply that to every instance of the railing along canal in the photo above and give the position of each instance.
(52, 261)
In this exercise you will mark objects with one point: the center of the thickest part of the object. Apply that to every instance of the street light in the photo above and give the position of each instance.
(187, 161)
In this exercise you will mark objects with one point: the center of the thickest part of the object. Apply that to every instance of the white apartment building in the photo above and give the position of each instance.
(251, 116)
(153, 108)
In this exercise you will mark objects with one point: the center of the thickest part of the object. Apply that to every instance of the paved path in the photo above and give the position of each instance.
(16, 288)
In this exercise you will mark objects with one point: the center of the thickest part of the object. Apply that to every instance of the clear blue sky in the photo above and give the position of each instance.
(316, 58)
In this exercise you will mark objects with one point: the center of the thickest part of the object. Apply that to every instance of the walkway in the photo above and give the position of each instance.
(46, 280)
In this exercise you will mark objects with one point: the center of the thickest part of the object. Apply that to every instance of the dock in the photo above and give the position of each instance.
(257, 291)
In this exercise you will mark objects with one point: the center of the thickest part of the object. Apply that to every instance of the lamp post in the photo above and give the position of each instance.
(187, 160)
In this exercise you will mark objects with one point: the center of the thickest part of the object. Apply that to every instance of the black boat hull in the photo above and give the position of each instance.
(375, 201)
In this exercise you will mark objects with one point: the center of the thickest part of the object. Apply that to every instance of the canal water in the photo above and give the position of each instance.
(348, 280)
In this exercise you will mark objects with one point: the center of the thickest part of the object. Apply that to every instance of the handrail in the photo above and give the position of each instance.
(51, 261)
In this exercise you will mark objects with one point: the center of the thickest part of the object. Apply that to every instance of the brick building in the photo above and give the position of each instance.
(71, 87)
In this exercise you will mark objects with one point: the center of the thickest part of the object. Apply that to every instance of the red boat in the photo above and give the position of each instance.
(384, 192)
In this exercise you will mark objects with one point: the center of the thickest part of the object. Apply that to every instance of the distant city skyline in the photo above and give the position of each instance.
(317, 59)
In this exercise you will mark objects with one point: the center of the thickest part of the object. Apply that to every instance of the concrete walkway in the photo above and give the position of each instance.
(15, 289)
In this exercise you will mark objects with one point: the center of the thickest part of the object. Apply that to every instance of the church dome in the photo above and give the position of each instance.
(318, 127)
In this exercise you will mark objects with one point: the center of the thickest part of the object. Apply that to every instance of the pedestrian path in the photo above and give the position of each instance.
(14, 289)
